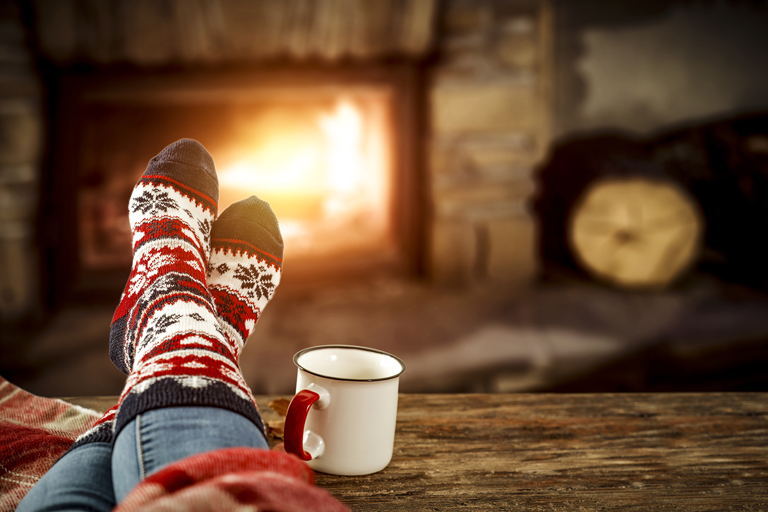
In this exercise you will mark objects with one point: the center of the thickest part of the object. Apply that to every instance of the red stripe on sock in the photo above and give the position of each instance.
(177, 182)
(243, 242)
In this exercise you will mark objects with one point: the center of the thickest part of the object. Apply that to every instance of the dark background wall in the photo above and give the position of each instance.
(643, 65)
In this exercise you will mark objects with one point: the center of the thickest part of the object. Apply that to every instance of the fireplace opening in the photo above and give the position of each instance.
(323, 165)
(327, 150)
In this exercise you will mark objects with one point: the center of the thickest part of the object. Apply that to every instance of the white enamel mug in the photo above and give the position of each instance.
(342, 418)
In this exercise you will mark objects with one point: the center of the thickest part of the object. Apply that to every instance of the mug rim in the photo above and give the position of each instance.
(303, 351)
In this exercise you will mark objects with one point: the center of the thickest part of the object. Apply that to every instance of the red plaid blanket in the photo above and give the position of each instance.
(34, 433)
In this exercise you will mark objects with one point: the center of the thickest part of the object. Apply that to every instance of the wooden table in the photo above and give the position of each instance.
(575, 452)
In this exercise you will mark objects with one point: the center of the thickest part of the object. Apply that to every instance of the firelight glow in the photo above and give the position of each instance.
(323, 172)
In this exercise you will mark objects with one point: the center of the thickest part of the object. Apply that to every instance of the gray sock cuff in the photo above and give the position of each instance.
(252, 221)
(188, 162)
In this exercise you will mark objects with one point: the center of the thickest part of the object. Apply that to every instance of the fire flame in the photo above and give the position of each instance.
(320, 176)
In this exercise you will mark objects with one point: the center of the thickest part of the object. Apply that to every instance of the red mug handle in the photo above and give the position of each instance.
(295, 419)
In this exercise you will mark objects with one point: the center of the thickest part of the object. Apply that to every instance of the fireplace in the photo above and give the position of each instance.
(452, 100)
(330, 149)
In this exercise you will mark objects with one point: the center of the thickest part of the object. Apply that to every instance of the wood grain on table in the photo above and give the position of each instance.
(569, 452)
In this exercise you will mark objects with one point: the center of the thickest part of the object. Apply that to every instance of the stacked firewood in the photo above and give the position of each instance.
(639, 212)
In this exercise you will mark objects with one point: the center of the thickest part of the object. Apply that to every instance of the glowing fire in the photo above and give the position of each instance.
(323, 172)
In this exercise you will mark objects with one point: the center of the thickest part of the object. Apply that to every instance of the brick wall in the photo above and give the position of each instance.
(490, 112)
(20, 141)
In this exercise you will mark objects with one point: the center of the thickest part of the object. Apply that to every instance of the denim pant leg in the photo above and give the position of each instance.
(81, 480)
(157, 438)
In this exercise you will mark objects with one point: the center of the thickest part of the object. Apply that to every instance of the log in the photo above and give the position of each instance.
(636, 232)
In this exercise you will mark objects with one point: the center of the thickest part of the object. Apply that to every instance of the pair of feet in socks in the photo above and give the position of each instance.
(197, 287)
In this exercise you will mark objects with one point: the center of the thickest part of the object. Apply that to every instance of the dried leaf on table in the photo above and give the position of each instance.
(280, 406)
(275, 429)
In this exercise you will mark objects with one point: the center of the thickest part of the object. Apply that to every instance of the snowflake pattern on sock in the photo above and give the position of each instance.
(152, 202)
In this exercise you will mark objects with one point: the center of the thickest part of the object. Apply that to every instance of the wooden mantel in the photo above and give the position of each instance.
(570, 452)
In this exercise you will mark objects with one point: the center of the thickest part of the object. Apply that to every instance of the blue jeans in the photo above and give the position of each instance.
(96, 476)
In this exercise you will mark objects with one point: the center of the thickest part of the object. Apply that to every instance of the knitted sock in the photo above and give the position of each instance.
(165, 331)
(101, 431)
(245, 265)
(171, 211)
